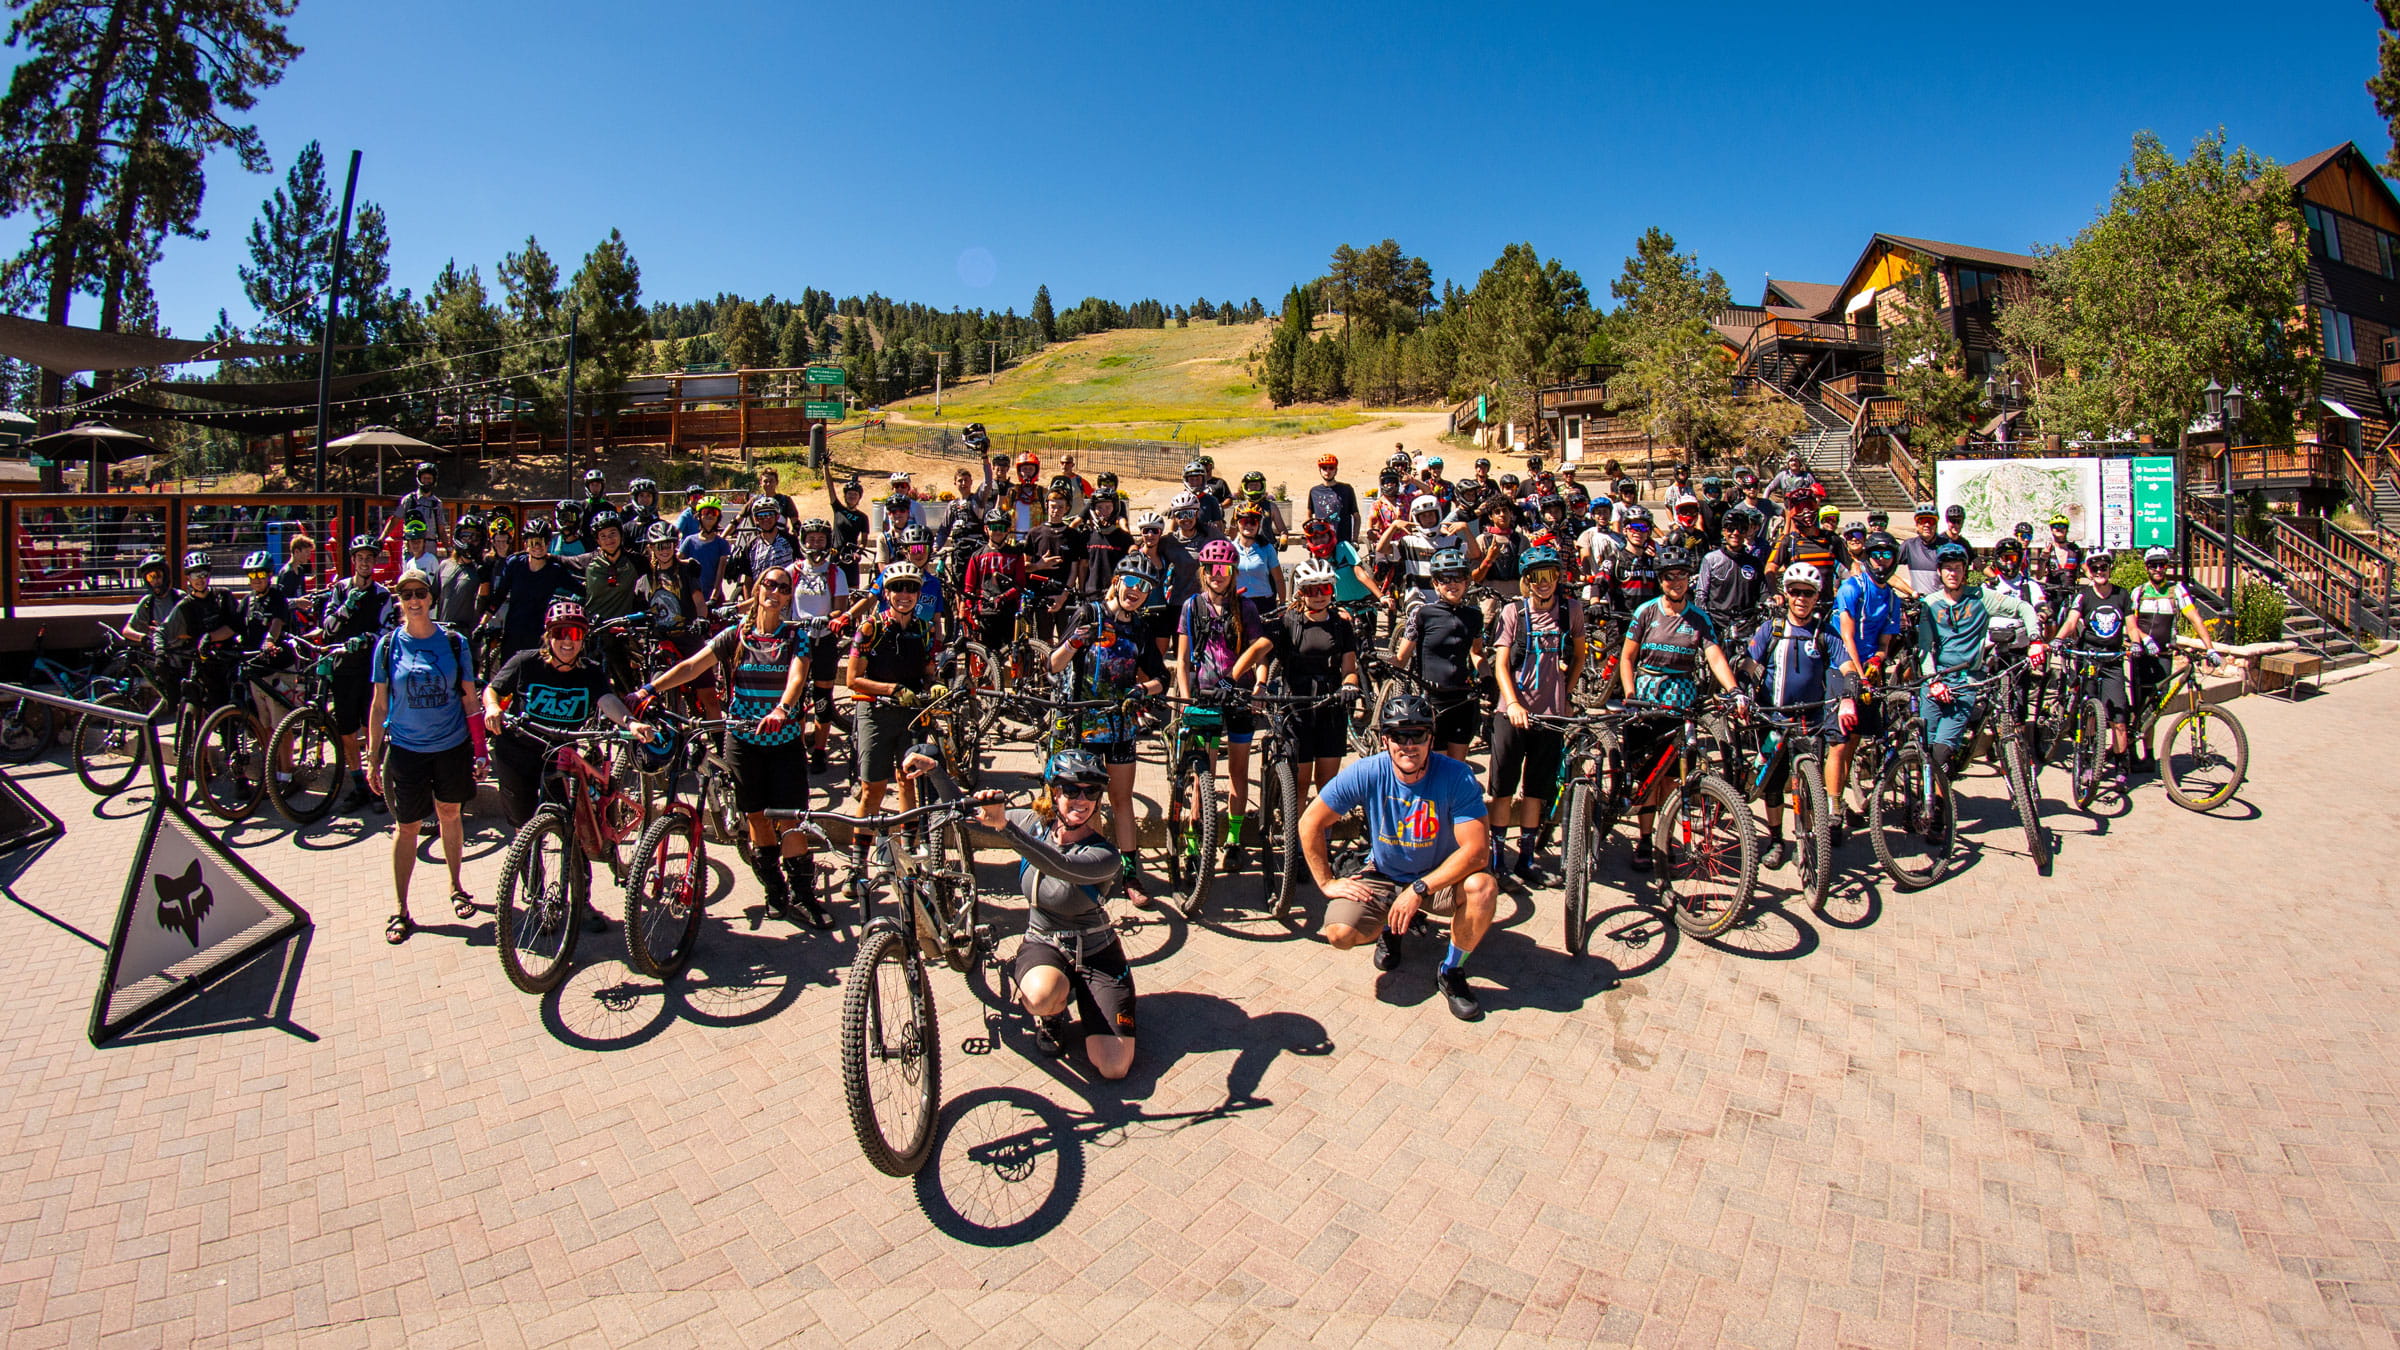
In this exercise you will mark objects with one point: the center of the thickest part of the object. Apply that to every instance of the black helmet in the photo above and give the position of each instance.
(471, 521)
(424, 467)
(999, 518)
(664, 532)
(1405, 712)
(1106, 478)
(915, 535)
(639, 486)
(607, 520)
(1075, 766)
(157, 562)
(594, 476)
(568, 508)
(1676, 558)
(1450, 562)
(366, 542)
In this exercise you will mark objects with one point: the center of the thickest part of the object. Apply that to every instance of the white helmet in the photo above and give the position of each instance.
(2155, 554)
(1313, 572)
(1182, 502)
(1149, 520)
(1425, 501)
(1803, 573)
(899, 571)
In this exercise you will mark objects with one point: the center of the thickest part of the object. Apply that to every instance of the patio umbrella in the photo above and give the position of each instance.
(382, 438)
(96, 443)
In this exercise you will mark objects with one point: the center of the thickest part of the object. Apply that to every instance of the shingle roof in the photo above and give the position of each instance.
(1965, 252)
(1814, 296)
(2307, 168)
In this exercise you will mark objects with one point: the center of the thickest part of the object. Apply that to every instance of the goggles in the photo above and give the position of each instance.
(569, 632)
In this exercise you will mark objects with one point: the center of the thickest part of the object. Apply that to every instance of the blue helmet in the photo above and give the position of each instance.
(1075, 766)
(1950, 551)
(1540, 555)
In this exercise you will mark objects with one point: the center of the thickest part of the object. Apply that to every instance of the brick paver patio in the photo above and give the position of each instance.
(2147, 1100)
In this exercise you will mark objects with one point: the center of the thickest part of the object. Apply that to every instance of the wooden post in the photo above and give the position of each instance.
(674, 411)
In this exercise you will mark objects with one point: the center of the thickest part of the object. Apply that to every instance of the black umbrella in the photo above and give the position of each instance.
(96, 444)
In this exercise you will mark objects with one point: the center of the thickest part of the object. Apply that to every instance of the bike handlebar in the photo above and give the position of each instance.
(890, 819)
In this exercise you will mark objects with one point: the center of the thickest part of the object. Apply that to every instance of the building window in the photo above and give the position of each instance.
(2323, 239)
(2339, 345)
(1978, 290)
(2387, 252)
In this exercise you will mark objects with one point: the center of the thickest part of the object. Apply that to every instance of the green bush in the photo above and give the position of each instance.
(2128, 572)
(2257, 613)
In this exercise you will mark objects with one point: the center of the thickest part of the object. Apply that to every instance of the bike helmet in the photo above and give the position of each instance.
(562, 613)
(1625, 487)
(1425, 502)
(195, 561)
(1329, 461)
(1803, 574)
(2024, 530)
(594, 476)
(1578, 496)
(1319, 536)
(639, 486)
(1742, 514)
(1745, 478)
(1184, 504)
(659, 752)
(1217, 553)
(1854, 532)
(568, 509)
(1105, 480)
(471, 522)
(1405, 712)
(1255, 479)
(764, 507)
(1882, 554)
(1878, 541)
(1638, 519)
(414, 529)
(1540, 555)
(1149, 520)
(1449, 563)
(1079, 767)
(1928, 511)
(258, 562)
(1062, 486)
(1508, 483)
(1832, 513)
(1250, 511)
(2059, 521)
(912, 537)
(1313, 572)
(712, 502)
(1949, 551)
(1676, 559)
(365, 543)
(1195, 467)
(537, 530)
(2009, 547)
(2100, 557)
(1879, 520)
(157, 562)
(900, 571)
(1137, 568)
(1029, 460)
(1807, 494)
(820, 525)
(664, 532)
(2152, 557)
(1208, 463)
(607, 520)
(691, 490)
(424, 467)
(999, 519)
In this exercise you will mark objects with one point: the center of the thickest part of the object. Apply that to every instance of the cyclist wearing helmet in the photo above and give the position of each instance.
(1493, 552)
(1106, 543)
(1149, 547)
(567, 538)
(767, 546)
(419, 753)
(2059, 561)
(897, 511)
(1334, 501)
(1254, 494)
(1209, 513)
(611, 571)
(1025, 498)
(707, 550)
(766, 659)
(891, 668)
(1258, 561)
(1187, 516)
(641, 511)
(1690, 530)
(669, 592)
(1353, 590)
(1316, 651)
(2008, 574)
(1416, 546)
(1953, 631)
(1110, 656)
(1729, 579)
(2157, 603)
(158, 597)
(1954, 530)
(1668, 643)
(1537, 657)
(1749, 492)
(1217, 489)
(416, 547)
(1629, 578)
(1441, 641)
(916, 547)
(1428, 843)
(424, 504)
(206, 622)
(553, 685)
(462, 580)
(849, 527)
(1866, 618)
(1216, 628)
(1054, 562)
(355, 609)
(688, 523)
(1793, 653)
(995, 582)
(1920, 563)
(1805, 538)
(265, 616)
(595, 494)
(527, 585)
(823, 600)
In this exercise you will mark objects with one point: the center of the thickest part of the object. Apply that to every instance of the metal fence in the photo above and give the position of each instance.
(1163, 460)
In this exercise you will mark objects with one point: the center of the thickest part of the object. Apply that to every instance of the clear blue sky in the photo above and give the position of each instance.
(1224, 149)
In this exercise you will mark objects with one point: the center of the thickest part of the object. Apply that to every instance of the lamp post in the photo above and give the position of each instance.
(2226, 406)
(2004, 399)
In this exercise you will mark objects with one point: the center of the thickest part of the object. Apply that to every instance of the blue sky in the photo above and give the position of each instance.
(1224, 149)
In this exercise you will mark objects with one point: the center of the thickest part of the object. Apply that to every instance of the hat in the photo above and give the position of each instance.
(415, 574)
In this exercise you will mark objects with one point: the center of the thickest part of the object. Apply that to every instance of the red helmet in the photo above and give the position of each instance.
(1807, 494)
(1320, 537)
(1329, 462)
(1217, 553)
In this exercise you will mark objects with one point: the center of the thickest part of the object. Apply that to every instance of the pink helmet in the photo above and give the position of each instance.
(1217, 553)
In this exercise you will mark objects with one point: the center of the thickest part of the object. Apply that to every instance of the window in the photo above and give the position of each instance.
(2338, 343)
(2387, 251)
(1978, 290)
(2323, 239)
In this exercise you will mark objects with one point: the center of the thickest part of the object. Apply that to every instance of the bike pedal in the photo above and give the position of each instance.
(976, 1045)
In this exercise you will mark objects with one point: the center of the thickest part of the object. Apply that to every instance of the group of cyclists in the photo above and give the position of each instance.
(1433, 617)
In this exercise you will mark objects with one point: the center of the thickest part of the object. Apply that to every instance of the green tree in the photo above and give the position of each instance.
(463, 326)
(1523, 325)
(2384, 84)
(744, 336)
(612, 330)
(1045, 317)
(534, 314)
(792, 345)
(1924, 365)
(1279, 365)
(291, 255)
(1676, 372)
(2189, 275)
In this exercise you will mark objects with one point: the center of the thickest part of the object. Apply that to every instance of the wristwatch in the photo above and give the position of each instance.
(1420, 888)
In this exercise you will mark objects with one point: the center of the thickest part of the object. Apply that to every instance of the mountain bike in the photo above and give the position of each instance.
(27, 728)
(108, 754)
(890, 1043)
(2009, 719)
(1195, 819)
(230, 774)
(1708, 848)
(1591, 763)
(1792, 742)
(1280, 862)
(667, 888)
(1912, 816)
(2204, 755)
(1021, 664)
(546, 875)
(311, 760)
(2082, 739)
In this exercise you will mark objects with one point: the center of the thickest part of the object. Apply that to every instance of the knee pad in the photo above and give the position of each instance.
(1942, 751)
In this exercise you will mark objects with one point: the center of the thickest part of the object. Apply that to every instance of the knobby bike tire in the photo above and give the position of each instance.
(538, 914)
(2091, 745)
(26, 729)
(228, 762)
(1899, 814)
(1723, 747)
(1700, 824)
(1281, 865)
(320, 762)
(1193, 808)
(905, 1048)
(969, 918)
(1812, 832)
(1578, 882)
(108, 754)
(666, 892)
(1608, 750)
(2212, 736)
(2017, 763)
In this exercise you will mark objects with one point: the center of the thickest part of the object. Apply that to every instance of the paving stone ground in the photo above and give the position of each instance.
(2147, 1100)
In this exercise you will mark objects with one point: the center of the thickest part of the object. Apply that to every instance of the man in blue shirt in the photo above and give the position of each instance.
(1429, 846)
(1867, 616)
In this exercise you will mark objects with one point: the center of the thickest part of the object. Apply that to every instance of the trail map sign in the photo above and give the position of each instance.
(1997, 493)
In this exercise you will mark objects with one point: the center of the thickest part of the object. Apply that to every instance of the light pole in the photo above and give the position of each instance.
(2226, 406)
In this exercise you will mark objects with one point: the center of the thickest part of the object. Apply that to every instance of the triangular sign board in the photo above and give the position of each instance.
(192, 907)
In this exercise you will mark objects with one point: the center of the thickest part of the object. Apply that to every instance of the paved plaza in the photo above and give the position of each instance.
(2147, 1100)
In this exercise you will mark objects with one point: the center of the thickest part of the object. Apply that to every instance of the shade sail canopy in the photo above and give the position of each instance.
(246, 423)
(62, 350)
(266, 394)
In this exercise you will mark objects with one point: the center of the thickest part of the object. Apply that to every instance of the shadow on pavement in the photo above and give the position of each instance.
(256, 993)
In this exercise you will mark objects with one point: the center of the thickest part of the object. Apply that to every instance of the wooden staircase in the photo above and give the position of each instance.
(2331, 588)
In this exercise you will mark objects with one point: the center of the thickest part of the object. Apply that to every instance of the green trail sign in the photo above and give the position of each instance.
(2153, 501)
(829, 410)
(38, 462)
(826, 375)
(1483, 408)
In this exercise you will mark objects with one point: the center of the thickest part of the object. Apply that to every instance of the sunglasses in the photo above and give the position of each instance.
(1077, 792)
(779, 587)
(571, 634)
(1801, 592)
(1409, 738)
(255, 576)
(1134, 583)
(902, 587)
(414, 593)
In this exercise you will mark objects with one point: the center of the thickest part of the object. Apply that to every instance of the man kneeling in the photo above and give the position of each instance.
(1429, 845)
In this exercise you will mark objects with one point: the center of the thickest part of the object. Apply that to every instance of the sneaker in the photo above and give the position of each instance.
(816, 762)
(1461, 996)
(1387, 951)
(1643, 859)
(1779, 852)
(1049, 1035)
(1529, 868)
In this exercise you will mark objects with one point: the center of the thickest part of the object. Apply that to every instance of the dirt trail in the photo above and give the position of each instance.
(1292, 460)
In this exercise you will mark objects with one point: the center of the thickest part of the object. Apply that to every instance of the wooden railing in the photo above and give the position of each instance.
(1843, 405)
(2269, 463)
(1856, 384)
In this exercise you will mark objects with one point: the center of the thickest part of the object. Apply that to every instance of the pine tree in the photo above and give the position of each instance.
(792, 348)
(291, 252)
(744, 336)
(535, 313)
(1045, 318)
(613, 334)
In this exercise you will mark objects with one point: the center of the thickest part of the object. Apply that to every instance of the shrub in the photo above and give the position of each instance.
(2257, 613)
(2129, 572)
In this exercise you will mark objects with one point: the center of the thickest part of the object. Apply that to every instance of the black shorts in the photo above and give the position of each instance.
(413, 780)
(1527, 759)
(2116, 696)
(884, 731)
(1113, 752)
(353, 695)
(995, 629)
(825, 662)
(767, 777)
(1324, 732)
(1454, 717)
(1103, 992)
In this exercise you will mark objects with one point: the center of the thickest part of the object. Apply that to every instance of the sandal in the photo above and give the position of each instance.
(398, 928)
(463, 905)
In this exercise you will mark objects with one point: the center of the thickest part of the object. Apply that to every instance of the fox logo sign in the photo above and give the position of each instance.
(183, 902)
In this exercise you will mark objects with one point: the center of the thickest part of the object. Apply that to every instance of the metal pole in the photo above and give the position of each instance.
(333, 304)
(2225, 511)
(571, 323)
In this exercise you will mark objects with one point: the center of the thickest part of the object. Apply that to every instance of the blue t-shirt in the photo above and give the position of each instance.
(1410, 823)
(1874, 612)
(1254, 567)
(688, 524)
(710, 554)
(423, 711)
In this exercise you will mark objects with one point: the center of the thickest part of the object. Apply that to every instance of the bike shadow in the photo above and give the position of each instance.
(1767, 931)
(1009, 1162)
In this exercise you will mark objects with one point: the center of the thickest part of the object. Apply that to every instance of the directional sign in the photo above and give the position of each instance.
(2154, 501)
(40, 463)
(829, 410)
(826, 375)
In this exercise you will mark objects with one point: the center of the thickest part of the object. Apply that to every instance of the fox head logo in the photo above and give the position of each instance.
(183, 902)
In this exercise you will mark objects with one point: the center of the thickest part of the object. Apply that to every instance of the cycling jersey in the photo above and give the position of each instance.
(1538, 642)
(897, 651)
(1217, 637)
(1670, 647)
(1445, 637)
(757, 555)
(1795, 659)
(1824, 549)
(1872, 611)
(1923, 564)
(760, 666)
(1112, 666)
(1309, 651)
(2104, 619)
(1631, 579)
(1106, 548)
(2155, 610)
(1727, 585)
(259, 610)
(534, 690)
(609, 584)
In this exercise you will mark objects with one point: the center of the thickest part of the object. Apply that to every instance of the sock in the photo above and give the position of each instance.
(1774, 834)
(1233, 827)
(1125, 867)
(1453, 959)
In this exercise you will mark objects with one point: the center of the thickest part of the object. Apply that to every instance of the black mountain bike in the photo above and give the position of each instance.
(1280, 806)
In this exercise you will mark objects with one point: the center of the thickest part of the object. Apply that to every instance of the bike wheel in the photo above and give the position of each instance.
(1708, 855)
(1578, 883)
(666, 891)
(2090, 736)
(25, 730)
(1281, 834)
(1192, 825)
(961, 744)
(2203, 759)
(2017, 763)
(229, 764)
(891, 1054)
(1031, 659)
(970, 920)
(108, 754)
(1812, 832)
(536, 918)
(1912, 830)
(305, 740)
(1723, 747)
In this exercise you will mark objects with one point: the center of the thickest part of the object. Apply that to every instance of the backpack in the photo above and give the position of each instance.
(1571, 610)
(462, 667)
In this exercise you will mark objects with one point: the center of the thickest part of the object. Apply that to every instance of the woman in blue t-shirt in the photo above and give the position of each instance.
(424, 681)
(1257, 567)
